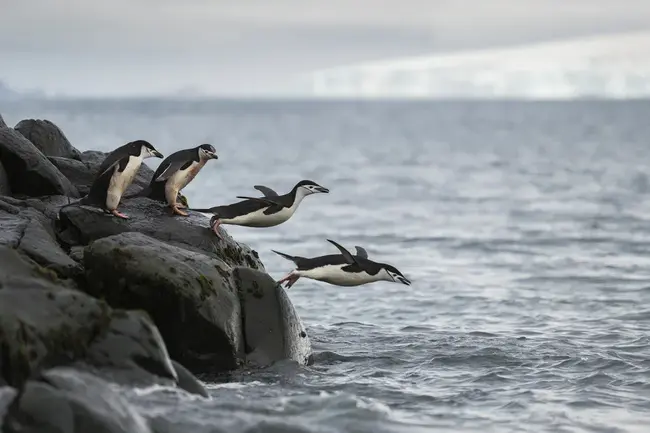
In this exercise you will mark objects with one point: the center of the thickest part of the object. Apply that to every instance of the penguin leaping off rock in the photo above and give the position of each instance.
(268, 211)
(342, 269)
(175, 173)
(115, 174)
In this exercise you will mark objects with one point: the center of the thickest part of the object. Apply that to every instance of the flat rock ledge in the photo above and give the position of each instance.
(89, 302)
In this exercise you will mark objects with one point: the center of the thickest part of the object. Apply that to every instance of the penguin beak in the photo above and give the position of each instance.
(214, 156)
(322, 189)
(157, 154)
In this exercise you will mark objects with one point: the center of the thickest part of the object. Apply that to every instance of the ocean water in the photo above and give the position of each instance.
(524, 226)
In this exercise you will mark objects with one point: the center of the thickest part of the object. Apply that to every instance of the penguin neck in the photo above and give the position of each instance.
(298, 194)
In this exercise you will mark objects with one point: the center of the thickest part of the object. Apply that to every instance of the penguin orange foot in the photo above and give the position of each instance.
(119, 214)
(177, 211)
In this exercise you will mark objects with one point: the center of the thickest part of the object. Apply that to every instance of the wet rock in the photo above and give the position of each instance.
(188, 382)
(47, 137)
(65, 400)
(39, 244)
(29, 172)
(272, 329)
(188, 295)
(43, 325)
(4, 181)
(81, 225)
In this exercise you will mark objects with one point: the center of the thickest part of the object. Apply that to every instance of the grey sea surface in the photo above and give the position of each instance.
(524, 226)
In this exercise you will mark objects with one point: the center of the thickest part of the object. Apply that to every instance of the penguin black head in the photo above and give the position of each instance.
(310, 187)
(207, 151)
(391, 273)
(146, 149)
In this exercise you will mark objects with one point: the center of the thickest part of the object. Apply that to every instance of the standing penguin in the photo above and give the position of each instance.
(267, 211)
(174, 173)
(115, 174)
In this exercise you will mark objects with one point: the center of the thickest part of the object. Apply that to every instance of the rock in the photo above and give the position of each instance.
(4, 181)
(42, 325)
(47, 137)
(131, 351)
(11, 229)
(81, 225)
(7, 395)
(65, 400)
(188, 382)
(188, 295)
(39, 244)
(7, 207)
(2, 122)
(272, 329)
(29, 172)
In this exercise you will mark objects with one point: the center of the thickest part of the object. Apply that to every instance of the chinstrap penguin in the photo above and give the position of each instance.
(175, 173)
(115, 174)
(342, 269)
(268, 211)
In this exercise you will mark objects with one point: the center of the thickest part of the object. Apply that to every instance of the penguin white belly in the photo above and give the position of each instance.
(180, 179)
(334, 274)
(259, 219)
(120, 181)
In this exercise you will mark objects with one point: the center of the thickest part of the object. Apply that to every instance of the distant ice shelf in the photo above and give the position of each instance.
(611, 66)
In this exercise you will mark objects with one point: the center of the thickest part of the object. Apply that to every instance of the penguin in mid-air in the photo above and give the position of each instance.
(268, 211)
(341, 269)
(115, 174)
(175, 173)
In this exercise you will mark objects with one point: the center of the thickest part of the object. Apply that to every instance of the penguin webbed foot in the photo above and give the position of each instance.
(177, 211)
(214, 225)
(290, 279)
(119, 214)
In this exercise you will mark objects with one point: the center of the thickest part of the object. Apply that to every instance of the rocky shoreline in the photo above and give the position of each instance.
(88, 300)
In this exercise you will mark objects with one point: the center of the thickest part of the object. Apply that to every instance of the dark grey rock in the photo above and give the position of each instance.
(188, 382)
(272, 329)
(43, 325)
(2, 122)
(47, 137)
(80, 225)
(188, 295)
(65, 400)
(29, 172)
(39, 244)
(7, 395)
(12, 229)
(8, 207)
(5, 189)
(131, 351)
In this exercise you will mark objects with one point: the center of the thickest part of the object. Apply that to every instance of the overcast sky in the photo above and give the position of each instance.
(85, 47)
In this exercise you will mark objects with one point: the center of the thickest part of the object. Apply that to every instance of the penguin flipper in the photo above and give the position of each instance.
(361, 252)
(268, 192)
(170, 169)
(349, 258)
(98, 190)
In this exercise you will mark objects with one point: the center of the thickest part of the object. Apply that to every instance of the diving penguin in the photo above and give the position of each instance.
(115, 174)
(268, 211)
(342, 269)
(175, 173)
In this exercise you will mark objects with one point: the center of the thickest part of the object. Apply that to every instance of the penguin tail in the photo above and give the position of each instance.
(208, 210)
(82, 201)
(287, 256)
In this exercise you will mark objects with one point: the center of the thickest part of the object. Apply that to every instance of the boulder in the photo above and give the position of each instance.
(81, 225)
(65, 400)
(273, 330)
(188, 295)
(47, 137)
(4, 181)
(44, 324)
(29, 172)
(82, 172)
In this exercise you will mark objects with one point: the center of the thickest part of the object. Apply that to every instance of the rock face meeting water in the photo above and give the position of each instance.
(87, 299)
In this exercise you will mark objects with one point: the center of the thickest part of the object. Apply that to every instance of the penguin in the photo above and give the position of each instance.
(268, 211)
(175, 173)
(115, 174)
(341, 269)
